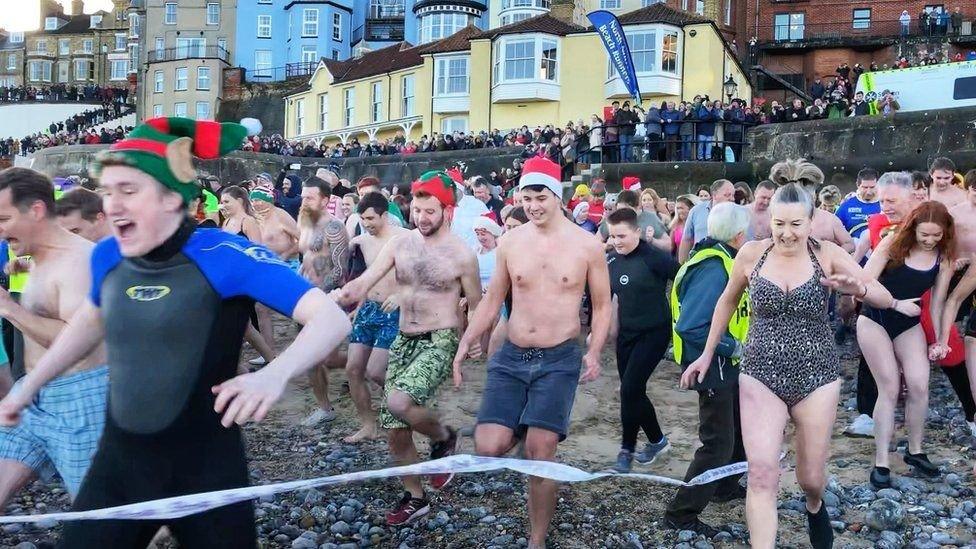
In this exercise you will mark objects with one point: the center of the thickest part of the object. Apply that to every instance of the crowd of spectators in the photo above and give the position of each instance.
(61, 93)
(76, 130)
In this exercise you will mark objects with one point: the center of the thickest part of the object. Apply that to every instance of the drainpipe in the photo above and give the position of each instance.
(756, 28)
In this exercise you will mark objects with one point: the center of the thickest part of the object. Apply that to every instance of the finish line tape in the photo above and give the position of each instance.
(181, 506)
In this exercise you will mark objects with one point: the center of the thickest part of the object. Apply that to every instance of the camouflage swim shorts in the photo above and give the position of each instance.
(418, 365)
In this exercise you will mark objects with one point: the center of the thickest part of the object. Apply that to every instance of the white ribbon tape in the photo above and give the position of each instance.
(181, 506)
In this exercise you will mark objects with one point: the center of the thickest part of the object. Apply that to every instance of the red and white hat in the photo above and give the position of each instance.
(631, 183)
(539, 170)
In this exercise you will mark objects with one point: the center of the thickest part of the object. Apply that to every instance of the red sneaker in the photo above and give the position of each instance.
(408, 510)
(447, 447)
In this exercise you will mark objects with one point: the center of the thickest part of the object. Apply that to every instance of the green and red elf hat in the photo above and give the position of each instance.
(164, 148)
(438, 184)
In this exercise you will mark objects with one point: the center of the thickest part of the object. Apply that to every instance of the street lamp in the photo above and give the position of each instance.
(730, 87)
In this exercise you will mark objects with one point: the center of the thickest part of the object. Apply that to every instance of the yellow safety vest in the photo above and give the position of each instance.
(738, 324)
(17, 281)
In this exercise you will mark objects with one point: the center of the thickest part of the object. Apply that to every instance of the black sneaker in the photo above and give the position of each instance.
(880, 477)
(408, 510)
(921, 464)
(696, 526)
(444, 448)
(821, 533)
(739, 492)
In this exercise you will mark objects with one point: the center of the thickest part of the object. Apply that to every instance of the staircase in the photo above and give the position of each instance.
(802, 94)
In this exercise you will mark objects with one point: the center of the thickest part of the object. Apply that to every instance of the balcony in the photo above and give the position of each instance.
(869, 34)
(306, 68)
(189, 52)
(384, 30)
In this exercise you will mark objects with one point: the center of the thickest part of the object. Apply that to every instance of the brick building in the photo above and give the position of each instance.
(793, 42)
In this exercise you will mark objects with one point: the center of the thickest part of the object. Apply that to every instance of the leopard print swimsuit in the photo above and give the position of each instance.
(790, 348)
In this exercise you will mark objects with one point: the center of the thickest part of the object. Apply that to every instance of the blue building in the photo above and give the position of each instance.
(283, 38)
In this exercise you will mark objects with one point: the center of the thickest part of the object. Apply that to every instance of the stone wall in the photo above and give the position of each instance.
(264, 101)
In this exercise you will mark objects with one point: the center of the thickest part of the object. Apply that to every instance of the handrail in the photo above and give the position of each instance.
(188, 52)
(864, 28)
(676, 148)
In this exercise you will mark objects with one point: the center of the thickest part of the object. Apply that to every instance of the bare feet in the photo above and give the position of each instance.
(370, 432)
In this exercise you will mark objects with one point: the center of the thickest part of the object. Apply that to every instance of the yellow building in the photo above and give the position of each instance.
(542, 70)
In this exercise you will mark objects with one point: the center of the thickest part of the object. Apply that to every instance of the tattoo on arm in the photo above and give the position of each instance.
(335, 233)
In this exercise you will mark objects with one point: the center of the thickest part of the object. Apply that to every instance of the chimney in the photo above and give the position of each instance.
(563, 10)
(77, 7)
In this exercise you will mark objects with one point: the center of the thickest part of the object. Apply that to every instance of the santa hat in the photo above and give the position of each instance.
(164, 149)
(631, 183)
(539, 170)
(484, 222)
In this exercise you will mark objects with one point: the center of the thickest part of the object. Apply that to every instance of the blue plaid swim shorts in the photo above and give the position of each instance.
(61, 427)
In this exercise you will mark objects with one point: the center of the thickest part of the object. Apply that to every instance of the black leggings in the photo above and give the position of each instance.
(130, 469)
(638, 354)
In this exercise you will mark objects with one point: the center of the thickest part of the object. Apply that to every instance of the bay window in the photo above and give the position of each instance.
(451, 75)
(526, 58)
(440, 25)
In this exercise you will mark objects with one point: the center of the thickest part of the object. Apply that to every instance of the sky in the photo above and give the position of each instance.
(27, 15)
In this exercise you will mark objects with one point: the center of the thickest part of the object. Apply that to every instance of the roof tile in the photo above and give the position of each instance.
(544, 23)
(661, 13)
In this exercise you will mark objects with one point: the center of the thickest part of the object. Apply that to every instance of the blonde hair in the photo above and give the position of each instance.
(830, 195)
(652, 193)
(798, 171)
(686, 198)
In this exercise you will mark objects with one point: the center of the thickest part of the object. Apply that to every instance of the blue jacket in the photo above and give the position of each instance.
(672, 121)
(706, 121)
(734, 116)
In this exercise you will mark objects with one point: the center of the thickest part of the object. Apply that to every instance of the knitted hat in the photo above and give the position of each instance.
(581, 190)
(164, 148)
(539, 170)
(266, 176)
(437, 184)
(631, 183)
(482, 222)
(263, 192)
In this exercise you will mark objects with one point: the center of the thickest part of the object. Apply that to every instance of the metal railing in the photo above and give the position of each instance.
(665, 147)
(384, 29)
(303, 70)
(188, 52)
(854, 29)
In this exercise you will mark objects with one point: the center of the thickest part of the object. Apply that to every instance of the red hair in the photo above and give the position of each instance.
(929, 211)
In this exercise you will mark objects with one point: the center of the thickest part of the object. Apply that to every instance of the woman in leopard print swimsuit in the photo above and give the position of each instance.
(790, 366)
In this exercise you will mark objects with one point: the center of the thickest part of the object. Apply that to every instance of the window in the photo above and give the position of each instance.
(133, 57)
(669, 52)
(645, 3)
(300, 116)
(203, 78)
(169, 16)
(157, 111)
(323, 111)
(160, 46)
(964, 88)
(862, 18)
(203, 110)
(81, 69)
(454, 124)
(407, 87)
(349, 106)
(262, 63)
(310, 22)
(700, 7)
(64, 46)
(39, 71)
(179, 109)
(264, 26)
(377, 94)
(335, 54)
(159, 82)
(134, 25)
(120, 40)
(547, 69)
(213, 13)
(309, 54)
(50, 23)
(337, 27)
(728, 13)
(440, 25)
(95, 21)
(16, 38)
(609, 4)
(788, 26)
(87, 46)
(222, 45)
(190, 47)
(264, 1)
(11, 61)
(42, 46)
(120, 69)
(519, 59)
(182, 76)
(452, 76)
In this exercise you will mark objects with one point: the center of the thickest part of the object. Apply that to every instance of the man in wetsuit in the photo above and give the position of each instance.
(324, 243)
(63, 425)
(433, 269)
(532, 379)
(80, 212)
(172, 373)
(378, 318)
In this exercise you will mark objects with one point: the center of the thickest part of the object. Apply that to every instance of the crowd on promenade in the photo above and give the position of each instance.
(61, 93)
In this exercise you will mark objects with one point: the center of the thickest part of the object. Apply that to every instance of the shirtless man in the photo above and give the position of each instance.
(62, 426)
(377, 320)
(828, 227)
(759, 210)
(433, 270)
(325, 248)
(943, 189)
(80, 211)
(964, 215)
(279, 232)
(532, 379)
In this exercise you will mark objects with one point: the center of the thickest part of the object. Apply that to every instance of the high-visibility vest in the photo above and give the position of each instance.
(738, 324)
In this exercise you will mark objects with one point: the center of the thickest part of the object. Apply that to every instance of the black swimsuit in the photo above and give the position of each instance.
(903, 282)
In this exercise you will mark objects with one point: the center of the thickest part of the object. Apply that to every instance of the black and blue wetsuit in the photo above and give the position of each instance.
(174, 321)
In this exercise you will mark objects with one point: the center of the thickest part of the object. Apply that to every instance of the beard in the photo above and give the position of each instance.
(434, 227)
(309, 216)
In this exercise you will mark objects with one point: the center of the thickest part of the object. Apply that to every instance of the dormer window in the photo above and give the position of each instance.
(50, 23)
(96, 20)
